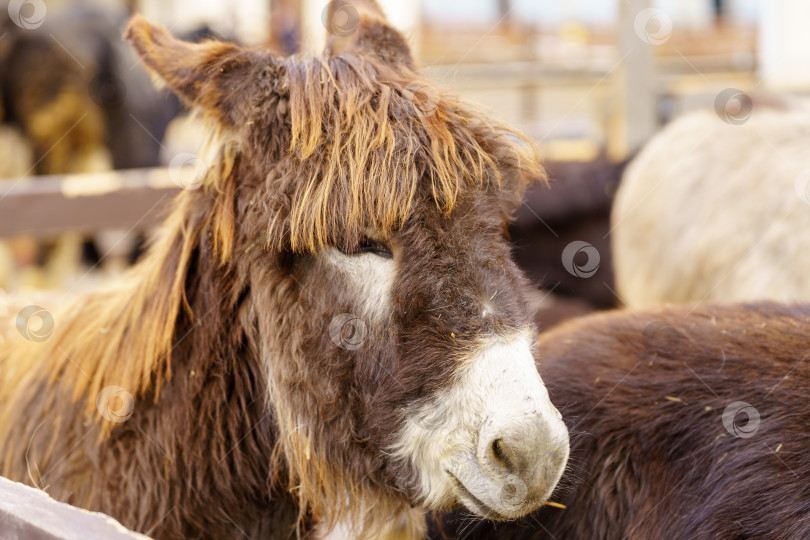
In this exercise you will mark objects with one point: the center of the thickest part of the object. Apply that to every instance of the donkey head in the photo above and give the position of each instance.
(365, 211)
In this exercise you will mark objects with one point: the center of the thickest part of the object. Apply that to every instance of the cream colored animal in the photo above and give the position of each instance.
(711, 211)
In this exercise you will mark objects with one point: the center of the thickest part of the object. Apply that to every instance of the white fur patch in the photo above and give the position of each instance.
(497, 390)
(372, 277)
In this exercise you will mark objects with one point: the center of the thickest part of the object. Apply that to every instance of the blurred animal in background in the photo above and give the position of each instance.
(70, 89)
(136, 115)
(328, 336)
(45, 95)
(717, 208)
(573, 207)
(683, 425)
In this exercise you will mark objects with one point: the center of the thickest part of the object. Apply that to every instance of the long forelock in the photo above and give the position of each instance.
(361, 150)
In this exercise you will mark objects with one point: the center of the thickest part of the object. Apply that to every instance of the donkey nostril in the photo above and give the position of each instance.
(497, 450)
(503, 454)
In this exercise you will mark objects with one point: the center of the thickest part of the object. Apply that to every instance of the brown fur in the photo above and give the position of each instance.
(644, 397)
(247, 416)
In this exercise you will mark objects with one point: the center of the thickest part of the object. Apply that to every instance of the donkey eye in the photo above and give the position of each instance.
(367, 245)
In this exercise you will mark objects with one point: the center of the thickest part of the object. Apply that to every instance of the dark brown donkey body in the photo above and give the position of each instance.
(684, 424)
(328, 334)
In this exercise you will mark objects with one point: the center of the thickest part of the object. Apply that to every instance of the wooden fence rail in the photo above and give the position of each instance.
(47, 205)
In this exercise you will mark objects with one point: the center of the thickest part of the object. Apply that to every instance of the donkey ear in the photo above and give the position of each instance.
(352, 24)
(205, 75)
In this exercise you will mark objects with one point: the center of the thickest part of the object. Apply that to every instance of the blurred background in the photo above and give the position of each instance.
(91, 153)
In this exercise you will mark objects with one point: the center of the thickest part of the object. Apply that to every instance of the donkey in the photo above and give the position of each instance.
(715, 210)
(685, 424)
(328, 335)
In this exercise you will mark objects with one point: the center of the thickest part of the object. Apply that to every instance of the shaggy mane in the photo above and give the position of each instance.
(363, 148)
